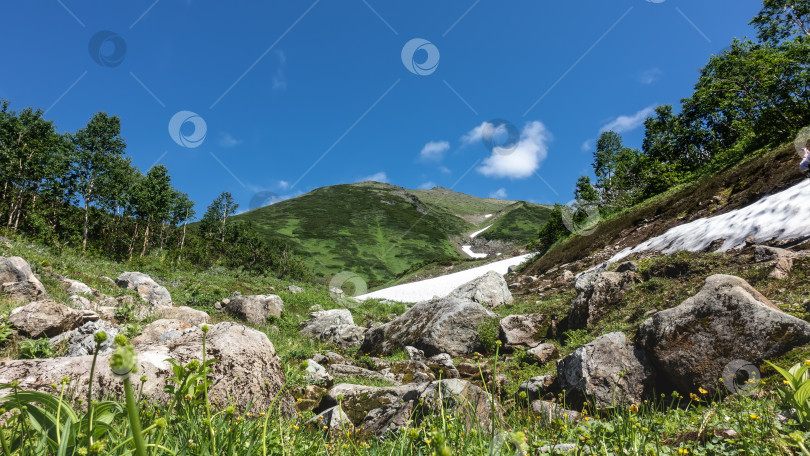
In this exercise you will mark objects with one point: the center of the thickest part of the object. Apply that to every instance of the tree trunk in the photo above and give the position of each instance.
(145, 239)
(132, 241)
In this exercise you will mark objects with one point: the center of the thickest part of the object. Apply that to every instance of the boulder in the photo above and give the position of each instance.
(726, 321)
(564, 278)
(610, 371)
(45, 319)
(308, 397)
(187, 315)
(409, 372)
(782, 268)
(80, 302)
(544, 353)
(248, 371)
(448, 325)
(343, 336)
(81, 342)
(382, 410)
(315, 373)
(154, 294)
(18, 282)
(598, 292)
(549, 411)
(73, 286)
(254, 309)
(764, 253)
(162, 330)
(294, 289)
(332, 420)
(523, 331)
(351, 371)
(490, 290)
(537, 387)
(321, 320)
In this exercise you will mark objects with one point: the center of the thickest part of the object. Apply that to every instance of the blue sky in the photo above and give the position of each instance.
(297, 95)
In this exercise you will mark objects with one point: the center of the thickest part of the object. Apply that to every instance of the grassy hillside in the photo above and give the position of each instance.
(380, 230)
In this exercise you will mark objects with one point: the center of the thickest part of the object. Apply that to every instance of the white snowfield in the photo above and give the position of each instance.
(472, 236)
(488, 216)
(781, 216)
(468, 250)
(441, 286)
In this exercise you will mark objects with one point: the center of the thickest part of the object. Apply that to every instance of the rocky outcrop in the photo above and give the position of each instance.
(45, 319)
(727, 320)
(319, 321)
(544, 353)
(333, 420)
(73, 286)
(523, 331)
(255, 309)
(609, 371)
(80, 341)
(18, 282)
(162, 331)
(315, 373)
(248, 371)
(352, 371)
(343, 336)
(598, 292)
(154, 294)
(448, 325)
(381, 410)
(537, 387)
(490, 290)
(187, 315)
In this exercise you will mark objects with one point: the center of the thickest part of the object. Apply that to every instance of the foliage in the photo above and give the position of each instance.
(488, 334)
(36, 348)
(6, 330)
(795, 391)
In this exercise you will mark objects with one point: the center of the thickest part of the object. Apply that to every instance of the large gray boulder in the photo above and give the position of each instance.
(154, 294)
(607, 372)
(343, 336)
(727, 320)
(81, 342)
(255, 308)
(18, 282)
(598, 292)
(249, 372)
(523, 331)
(161, 331)
(382, 410)
(448, 325)
(320, 321)
(490, 290)
(45, 319)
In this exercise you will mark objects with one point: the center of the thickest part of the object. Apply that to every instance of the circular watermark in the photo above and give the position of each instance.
(656, 1)
(347, 284)
(187, 139)
(500, 136)
(261, 199)
(107, 48)
(423, 64)
(802, 141)
(585, 227)
(741, 377)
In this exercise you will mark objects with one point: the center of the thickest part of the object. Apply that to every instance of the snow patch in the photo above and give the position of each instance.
(472, 236)
(442, 286)
(781, 216)
(468, 250)
(488, 216)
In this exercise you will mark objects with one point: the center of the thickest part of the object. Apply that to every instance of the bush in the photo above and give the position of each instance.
(33, 349)
(488, 334)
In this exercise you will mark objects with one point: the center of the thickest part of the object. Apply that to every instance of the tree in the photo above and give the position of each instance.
(216, 216)
(782, 19)
(99, 146)
(585, 193)
(152, 199)
(182, 211)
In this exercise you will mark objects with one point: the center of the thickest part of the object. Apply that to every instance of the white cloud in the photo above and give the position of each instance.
(427, 185)
(445, 170)
(284, 185)
(227, 140)
(650, 76)
(624, 124)
(434, 150)
(473, 135)
(587, 146)
(521, 161)
(376, 177)
(279, 79)
(499, 193)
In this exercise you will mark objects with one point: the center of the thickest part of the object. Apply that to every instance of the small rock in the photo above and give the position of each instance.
(537, 387)
(154, 294)
(782, 269)
(255, 309)
(320, 321)
(187, 315)
(626, 266)
(332, 420)
(315, 373)
(295, 289)
(544, 353)
(523, 331)
(155, 331)
(44, 319)
(549, 411)
(764, 253)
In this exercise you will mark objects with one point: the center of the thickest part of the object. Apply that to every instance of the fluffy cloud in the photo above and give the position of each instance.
(284, 185)
(624, 124)
(227, 140)
(587, 146)
(427, 185)
(376, 177)
(434, 150)
(519, 162)
(650, 76)
(499, 193)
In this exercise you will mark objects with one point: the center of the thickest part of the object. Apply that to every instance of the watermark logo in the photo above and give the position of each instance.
(261, 199)
(187, 139)
(500, 136)
(107, 48)
(802, 141)
(420, 56)
(571, 213)
(741, 377)
(347, 284)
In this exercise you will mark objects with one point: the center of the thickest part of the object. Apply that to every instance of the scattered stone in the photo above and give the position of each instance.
(45, 319)
(154, 294)
(315, 373)
(330, 357)
(295, 289)
(332, 420)
(598, 292)
(523, 331)
(343, 336)
(161, 330)
(610, 371)
(549, 411)
(715, 245)
(564, 278)
(73, 286)
(308, 397)
(81, 342)
(727, 320)
(350, 371)
(321, 320)
(782, 268)
(544, 353)
(490, 290)
(537, 388)
(80, 302)
(763, 253)
(627, 266)
(750, 240)
(18, 282)
(248, 372)
(315, 308)
(448, 325)
(187, 315)
(254, 309)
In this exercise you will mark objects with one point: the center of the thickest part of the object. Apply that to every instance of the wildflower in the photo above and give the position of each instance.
(702, 391)
(325, 427)
(634, 408)
(753, 416)
(683, 451)
(694, 397)
(295, 427)
(300, 400)
(807, 362)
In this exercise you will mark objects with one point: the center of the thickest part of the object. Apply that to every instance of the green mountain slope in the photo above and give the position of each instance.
(379, 230)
